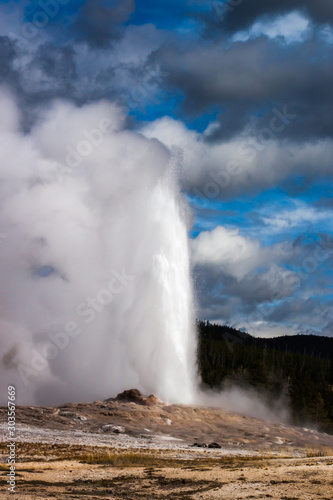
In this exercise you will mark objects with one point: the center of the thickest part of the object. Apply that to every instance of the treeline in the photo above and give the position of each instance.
(298, 369)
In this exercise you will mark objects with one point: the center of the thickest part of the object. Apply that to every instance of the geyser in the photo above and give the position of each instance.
(96, 294)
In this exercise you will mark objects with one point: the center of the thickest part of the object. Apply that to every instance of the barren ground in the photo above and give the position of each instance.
(118, 449)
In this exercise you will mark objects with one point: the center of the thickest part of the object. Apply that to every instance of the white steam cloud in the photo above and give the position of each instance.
(96, 295)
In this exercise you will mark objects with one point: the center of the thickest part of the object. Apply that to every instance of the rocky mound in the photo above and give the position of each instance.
(135, 396)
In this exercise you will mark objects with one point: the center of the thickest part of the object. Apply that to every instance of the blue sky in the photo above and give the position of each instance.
(245, 97)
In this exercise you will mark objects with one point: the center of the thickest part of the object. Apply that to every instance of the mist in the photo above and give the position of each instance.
(96, 292)
(247, 401)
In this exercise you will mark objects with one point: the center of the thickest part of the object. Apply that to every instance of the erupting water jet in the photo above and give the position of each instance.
(96, 291)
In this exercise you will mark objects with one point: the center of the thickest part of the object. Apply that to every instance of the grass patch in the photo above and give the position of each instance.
(325, 451)
(113, 459)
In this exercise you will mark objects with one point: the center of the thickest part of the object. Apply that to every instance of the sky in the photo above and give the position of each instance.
(240, 92)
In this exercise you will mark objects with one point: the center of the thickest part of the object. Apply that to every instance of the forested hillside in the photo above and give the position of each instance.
(298, 369)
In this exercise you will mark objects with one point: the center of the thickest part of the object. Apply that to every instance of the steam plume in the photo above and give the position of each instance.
(96, 294)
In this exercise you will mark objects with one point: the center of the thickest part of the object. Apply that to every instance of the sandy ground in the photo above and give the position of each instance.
(224, 478)
(126, 450)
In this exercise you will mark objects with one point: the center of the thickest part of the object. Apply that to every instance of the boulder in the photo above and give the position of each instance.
(214, 445)
(135, 396)
(116, 429)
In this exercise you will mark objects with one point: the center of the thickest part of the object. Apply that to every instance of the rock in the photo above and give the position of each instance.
(67, 414)
(107, 428)
(130, 396)
(135, 396)
(116, 429)
(82, 418)
(72, 415)
(153, 400)
(214, 445)
(204, 445)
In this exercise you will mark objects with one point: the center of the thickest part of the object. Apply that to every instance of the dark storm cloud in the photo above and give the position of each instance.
(252, 78)
(259, 297)
(56, 70)
(328, 328)
(226, 264)
(56, 63)
(98, 21)
(215, 285)
(280, 284)
(325, 202)
(236, 15)
(40, 73)
(7, 56)
(222, 297)
(299, 310)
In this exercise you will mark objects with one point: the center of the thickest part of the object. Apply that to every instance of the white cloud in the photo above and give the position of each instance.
(234, 255)
(267, 329)
(242, 164)
(327, 34)
(227, 250)
(292, 27)
(300, 215)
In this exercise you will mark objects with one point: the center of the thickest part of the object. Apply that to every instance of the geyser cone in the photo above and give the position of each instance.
(96, 291)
